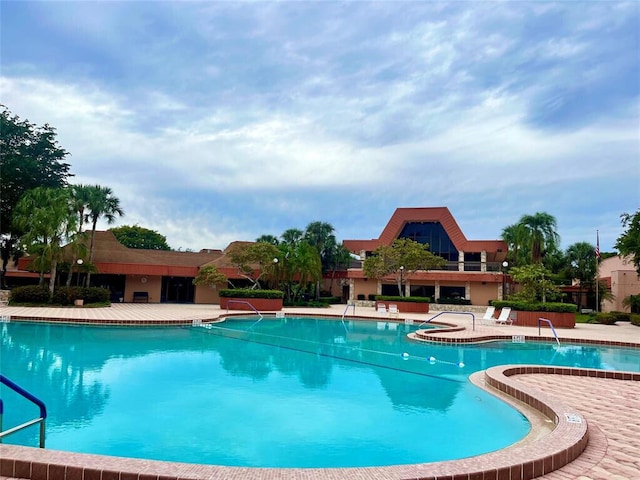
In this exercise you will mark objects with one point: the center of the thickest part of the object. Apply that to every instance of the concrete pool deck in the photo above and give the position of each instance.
(596, 433)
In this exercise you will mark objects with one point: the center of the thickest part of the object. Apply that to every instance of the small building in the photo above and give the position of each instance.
(155, 276)
(622, 279)
(474, 268)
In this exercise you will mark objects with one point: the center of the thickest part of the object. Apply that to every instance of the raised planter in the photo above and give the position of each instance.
(525, 318)
(406, 307)
(260, 304)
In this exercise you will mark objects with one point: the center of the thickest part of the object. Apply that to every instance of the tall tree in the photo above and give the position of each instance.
(540, 235)
(515, 236)
(135, 236)
(30, 157)
(268, 239)
(79, 201)
(320, 235)
(254, 260)
(47, 219)
(628, 244)
(401, 259)
(102, 205)
(581, 263)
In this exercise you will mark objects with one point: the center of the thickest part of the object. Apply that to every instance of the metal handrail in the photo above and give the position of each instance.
(33, 399)
(552, 329)
(473, 318)
(252, 308)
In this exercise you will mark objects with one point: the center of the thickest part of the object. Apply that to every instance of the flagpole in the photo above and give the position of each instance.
(597, 272)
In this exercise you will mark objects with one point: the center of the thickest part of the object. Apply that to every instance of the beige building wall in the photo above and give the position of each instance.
(143, 283)
(624, 281)
(206, 294)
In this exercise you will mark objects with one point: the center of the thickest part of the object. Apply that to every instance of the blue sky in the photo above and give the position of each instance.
(222, 121)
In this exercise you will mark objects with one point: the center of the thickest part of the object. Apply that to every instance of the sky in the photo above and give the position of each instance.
(219, 121)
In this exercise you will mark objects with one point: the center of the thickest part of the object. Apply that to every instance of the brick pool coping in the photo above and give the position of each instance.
(533, 456)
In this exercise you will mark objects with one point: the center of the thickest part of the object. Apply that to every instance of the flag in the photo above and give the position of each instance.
(597, 245)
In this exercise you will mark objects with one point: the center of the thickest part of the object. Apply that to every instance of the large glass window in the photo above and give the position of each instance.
(434, 234)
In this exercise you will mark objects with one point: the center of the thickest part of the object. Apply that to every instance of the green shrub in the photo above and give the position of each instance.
(372, 297)
(30, 294)
(247, 293)
(622, 316)
(361, 296)
(331, 300)
(605, 318)
(395, 298)
(635, 319)
(453, 301)
(302, 303)
(536, 306)
(95, 295)
(67, 295)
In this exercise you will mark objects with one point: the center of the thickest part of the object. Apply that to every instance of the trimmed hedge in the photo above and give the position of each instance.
(61, 296)
(622, 316)
(453, 301)
(395, 298)
(30, 294)
(331, 300)
(635, 319)
(247, 293)
(603, 318)
(536, 306)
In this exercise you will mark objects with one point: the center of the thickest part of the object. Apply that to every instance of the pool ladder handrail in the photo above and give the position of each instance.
(552, 329)
(33, 399)
(252, 308)
(473, 318)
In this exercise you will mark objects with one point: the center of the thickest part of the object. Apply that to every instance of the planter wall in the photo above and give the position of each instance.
(260, 304)
(530, 319)
(406, 307)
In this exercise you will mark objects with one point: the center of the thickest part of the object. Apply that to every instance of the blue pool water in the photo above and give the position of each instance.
(293, 392)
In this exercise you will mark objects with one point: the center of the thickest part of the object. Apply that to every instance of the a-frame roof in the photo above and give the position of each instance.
(402, 216)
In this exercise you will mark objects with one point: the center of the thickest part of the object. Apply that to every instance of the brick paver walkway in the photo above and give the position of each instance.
(612, 410)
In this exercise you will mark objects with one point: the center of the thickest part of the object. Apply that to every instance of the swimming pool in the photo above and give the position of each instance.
(287, 392)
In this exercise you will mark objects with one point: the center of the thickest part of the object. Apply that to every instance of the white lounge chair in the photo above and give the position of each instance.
(487, 318)
(393, 310)
(505, 317)
(381, 308)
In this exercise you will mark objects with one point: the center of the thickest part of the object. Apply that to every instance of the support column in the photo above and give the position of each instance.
(483, 261)
(460, 261)
(467, 290)
(437, 291)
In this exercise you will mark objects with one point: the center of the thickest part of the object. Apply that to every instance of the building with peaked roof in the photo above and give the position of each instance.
(164, 276)
(474, 268)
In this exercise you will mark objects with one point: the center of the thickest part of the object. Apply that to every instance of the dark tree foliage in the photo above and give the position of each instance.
(629, 242)
(134, 236)
(30, 157)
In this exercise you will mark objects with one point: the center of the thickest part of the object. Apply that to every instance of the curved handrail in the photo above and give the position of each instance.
(32, 398)
(552, 329)
(473, 318)
(252, 308)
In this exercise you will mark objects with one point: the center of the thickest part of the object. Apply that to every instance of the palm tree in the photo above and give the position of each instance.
(292, 236)
(102, 204)
(306, 265)
(320, 235)
(541, 234)
(80, 198)
(581, 263)
(515, 237)
(268, 239)
(46, 217)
